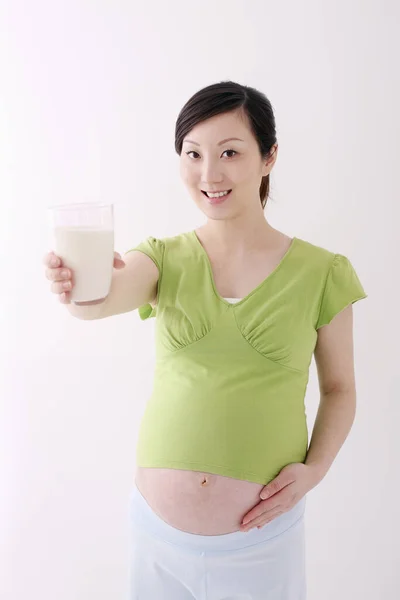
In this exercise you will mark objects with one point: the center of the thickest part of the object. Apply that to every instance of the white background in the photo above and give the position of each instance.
(90, 91)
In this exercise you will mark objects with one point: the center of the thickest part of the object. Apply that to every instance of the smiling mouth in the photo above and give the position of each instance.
(217, 200)
(207, 196)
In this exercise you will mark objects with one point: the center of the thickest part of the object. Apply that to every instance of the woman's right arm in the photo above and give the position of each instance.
(134, 282)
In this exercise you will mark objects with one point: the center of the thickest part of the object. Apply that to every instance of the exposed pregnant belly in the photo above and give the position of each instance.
(197, 502)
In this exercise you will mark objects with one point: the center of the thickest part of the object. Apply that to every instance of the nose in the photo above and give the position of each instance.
(211, 172)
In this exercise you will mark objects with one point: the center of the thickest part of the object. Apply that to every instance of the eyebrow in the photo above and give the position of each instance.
(219, 143)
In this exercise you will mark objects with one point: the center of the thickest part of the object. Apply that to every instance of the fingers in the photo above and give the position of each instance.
(59, 274)
(60, 277)
(59, 287)
(65, 298)
(118, 262)
(51, 260)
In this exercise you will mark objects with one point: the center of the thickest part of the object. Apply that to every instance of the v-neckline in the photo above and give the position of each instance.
(261, 284)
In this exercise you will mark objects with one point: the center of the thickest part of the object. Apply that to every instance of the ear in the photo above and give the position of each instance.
(270, 160)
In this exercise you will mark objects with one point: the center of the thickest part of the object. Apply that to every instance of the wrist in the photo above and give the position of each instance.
(317, 472)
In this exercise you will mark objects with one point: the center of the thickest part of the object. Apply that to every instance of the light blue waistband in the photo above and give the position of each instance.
(143, 516)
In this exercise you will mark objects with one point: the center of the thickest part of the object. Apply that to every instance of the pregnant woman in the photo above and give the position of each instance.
(223, 460)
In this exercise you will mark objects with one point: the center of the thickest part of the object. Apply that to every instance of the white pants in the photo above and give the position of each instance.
(260, 564)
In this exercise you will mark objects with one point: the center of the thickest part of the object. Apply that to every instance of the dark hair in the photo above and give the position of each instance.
(229, 96)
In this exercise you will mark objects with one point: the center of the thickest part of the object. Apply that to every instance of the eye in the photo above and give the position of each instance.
(191, 152)
(194, 152)
(234, 151)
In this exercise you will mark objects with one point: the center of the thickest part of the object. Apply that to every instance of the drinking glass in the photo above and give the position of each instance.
(84, 240)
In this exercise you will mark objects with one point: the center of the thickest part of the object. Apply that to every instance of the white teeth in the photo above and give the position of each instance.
(218, 195)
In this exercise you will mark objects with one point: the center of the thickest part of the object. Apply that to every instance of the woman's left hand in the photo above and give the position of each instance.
(281, 494)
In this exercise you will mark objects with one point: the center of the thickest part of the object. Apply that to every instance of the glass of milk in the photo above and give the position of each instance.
(84, 240)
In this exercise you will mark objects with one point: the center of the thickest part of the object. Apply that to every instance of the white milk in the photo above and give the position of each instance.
(89, 253)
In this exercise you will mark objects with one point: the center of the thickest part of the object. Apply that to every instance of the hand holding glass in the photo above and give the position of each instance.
(84, 245)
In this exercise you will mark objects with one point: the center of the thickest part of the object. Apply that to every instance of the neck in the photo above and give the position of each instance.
(239, 234)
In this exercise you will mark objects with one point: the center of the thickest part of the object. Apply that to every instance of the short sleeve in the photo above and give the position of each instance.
(342, 287)
(154, 248)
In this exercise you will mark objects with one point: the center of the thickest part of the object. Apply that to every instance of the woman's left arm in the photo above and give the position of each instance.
(334, 358)
(335, 366)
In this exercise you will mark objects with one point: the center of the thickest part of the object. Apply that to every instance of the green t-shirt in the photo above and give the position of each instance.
(230, 379)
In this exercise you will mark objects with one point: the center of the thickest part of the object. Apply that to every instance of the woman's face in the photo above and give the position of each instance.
(210, 163)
